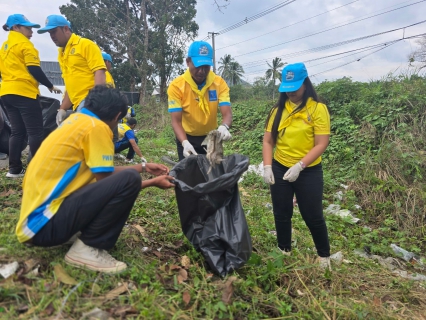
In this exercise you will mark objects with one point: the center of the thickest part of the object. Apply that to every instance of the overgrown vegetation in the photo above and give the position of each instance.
(377, 149)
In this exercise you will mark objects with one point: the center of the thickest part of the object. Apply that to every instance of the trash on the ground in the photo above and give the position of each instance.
(357, 206)
(337, 257)
(97, 314)
(406, 255)
(344, 186)
(256, 169)
(410, 276)
(9, 269)
(145, 249)
(339, 195)
(273, 232)
(335, 209)
(268, 205)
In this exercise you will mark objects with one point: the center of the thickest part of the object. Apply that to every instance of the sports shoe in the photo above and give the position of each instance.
(286, 253)
(119, 156)
(324, 263)
(85, 257)
(129, 161)
(3, 156)
(16, 175)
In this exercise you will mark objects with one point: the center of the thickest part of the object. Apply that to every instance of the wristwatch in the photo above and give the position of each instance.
(302, 165)
(226, 126)
(143, 166)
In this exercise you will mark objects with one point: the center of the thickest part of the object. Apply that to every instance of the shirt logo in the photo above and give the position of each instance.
(5, 47)
(72, 51)
(289, 76)
(203, 51)
(212, 95)
(107, 158)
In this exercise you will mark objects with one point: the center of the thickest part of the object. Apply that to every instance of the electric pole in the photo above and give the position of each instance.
(214, 50)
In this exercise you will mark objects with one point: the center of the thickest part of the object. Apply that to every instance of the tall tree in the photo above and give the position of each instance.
(230, 70)
(147, 35)
(273, 73)
(419, 55)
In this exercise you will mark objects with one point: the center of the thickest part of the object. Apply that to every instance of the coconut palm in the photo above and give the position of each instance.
(230, 70)
(273, 73)
(224, 63)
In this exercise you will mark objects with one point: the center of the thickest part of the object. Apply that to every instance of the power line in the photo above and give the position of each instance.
(319, 32)
(255, 17)
(290, 25)
(336, 44)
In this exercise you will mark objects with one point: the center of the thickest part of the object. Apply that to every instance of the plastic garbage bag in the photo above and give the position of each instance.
(49, 109)
(210, 210)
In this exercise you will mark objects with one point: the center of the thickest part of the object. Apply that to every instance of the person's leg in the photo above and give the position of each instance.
(282, 202)
(130, 153)
(99, 210)
(309, 193)
(17, 136)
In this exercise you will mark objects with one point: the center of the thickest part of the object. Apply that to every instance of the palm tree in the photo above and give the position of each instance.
(230, 70)
(236, 71)
(273, 73)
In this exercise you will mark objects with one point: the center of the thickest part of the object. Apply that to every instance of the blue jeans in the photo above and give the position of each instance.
(308, 189)
(123, 145)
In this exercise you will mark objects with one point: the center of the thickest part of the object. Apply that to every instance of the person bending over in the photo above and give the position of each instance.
(128, 140)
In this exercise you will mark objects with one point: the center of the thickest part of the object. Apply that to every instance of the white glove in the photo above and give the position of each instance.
(55, 90)
(293, 173)
(62, 114)
(188, 149)
(143, 160)
(224, 133)
(268, 175)
(127, 116)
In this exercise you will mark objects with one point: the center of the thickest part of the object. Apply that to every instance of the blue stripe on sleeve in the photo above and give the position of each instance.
(102, 169)
(224, 104)
(175, 110)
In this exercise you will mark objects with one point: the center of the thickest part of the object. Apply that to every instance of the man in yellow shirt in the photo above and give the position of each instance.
(108, 62)
(194, 99)
(71, 185)
(80, 60)
(128, 140)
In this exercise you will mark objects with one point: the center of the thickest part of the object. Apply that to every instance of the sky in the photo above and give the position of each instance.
(286, 31)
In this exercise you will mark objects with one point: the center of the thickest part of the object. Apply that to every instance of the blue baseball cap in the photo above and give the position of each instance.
(293, 76)
(201, 54)
(19, 19)
(53, 21)
(106, 57)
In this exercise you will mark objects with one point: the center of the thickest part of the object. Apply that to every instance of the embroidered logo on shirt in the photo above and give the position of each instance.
(289, 76)
(107, 158)
(212, 95)
(72, 50)
(204, 51)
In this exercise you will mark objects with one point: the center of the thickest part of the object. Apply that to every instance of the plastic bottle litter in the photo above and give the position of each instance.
(404, 254)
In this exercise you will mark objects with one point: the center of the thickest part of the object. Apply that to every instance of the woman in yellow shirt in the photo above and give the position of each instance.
(298, 127)
(21, 73)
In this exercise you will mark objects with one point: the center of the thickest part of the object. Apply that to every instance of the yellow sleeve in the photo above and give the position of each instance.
(224, 99)
(321, 119)
(174, 97)
(30, 54)
(99, 149)
(93, 56)
(271, 120)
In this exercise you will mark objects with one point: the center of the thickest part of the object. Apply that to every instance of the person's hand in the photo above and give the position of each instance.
(157, 169)
(268, 175)
(293, 173)
(224, 133)
(62, 114)
(55, 90)
(128, 116)
(188, 149)
(143, 160)
(164, 182)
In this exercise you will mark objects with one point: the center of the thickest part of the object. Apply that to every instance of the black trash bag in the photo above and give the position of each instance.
(49, 109)
(210, 210)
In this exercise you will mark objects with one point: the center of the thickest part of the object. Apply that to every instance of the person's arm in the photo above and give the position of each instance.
(136, 147)
(226, 112)
(268, 148)
(100, 77)
(162, 182)
(321, 143)
(177, 126)
(66, 102)
(40, 76)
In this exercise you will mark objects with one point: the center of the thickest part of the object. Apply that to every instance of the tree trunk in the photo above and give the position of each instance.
(144, 70)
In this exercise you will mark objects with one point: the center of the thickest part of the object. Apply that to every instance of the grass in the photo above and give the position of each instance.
(269, 286)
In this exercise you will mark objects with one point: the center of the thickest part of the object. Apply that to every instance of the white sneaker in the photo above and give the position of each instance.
(82, 256)
(16, 175)
(324, 263)
(286, 253)
(129, 161)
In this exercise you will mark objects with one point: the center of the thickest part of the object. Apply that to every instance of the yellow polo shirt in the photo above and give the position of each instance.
(16, 54)
(183, 99)
(79, 60)
(299, 137)
(109, 79)
(65, 162)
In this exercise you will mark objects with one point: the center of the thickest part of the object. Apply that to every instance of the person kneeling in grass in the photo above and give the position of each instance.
(71, 185)
(128, 140)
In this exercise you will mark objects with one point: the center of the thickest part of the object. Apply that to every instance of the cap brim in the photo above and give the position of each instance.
(46, 29)
(290, 87)
(30, 24)
(201, 61)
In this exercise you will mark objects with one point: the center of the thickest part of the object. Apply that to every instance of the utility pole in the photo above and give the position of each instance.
(214, 50)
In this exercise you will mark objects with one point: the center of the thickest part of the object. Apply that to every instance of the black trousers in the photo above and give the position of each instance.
(99, 210)
(121, 146)
(196, 142)
(25, 117)
(308, 189)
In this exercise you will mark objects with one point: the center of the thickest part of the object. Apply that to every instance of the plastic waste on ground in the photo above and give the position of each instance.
(337, 257)
(210, 210)
(9, 269)
(344, 213)
(406, 255)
